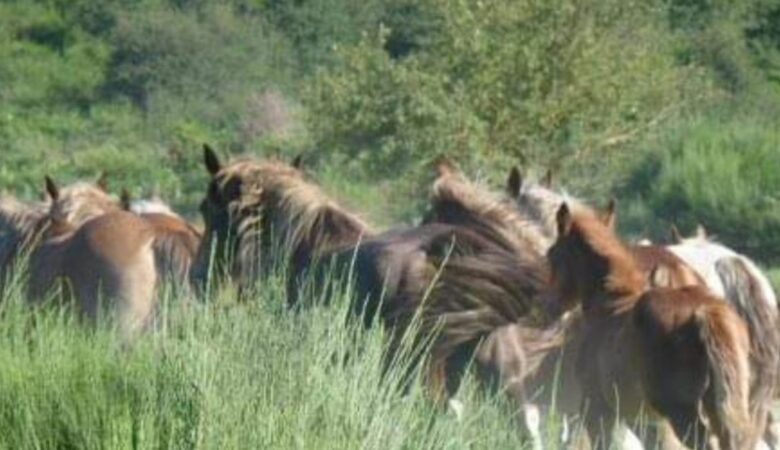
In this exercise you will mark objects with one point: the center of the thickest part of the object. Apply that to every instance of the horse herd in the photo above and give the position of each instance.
(532, 288)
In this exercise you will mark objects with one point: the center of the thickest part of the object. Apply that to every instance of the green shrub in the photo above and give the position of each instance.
(719, 171)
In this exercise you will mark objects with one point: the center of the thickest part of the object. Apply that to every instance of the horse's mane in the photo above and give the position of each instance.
(461, 202)
(291, 208)
(540, 203)
(19, 219)
(82, 201)
(625, 276)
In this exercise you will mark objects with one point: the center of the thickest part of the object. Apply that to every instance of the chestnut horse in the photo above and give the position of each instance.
(23, 224)
(679, 352)
(106, 264)
(694, 261)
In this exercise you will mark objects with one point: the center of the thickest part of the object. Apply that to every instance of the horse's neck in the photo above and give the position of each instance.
(603, 302)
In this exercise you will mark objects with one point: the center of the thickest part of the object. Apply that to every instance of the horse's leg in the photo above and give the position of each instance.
(600, 421)
(772, 432)
(689, 428)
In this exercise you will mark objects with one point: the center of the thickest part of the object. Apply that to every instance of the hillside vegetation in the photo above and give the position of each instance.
(629, 98)
(671, 106)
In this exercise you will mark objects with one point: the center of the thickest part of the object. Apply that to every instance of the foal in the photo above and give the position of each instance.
(681, 353)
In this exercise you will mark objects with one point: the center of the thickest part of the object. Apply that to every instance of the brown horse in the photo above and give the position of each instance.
(465, 294)
(253, 208)
(681, 352)
(23, 224)
(176, 241)
(457, 201)
(106, 264)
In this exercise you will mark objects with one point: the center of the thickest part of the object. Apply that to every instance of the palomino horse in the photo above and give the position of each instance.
(681, 353)
(248, 202)
(105, 264)
(176, 240)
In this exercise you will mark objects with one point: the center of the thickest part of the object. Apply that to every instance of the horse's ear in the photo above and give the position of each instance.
(51, 189)
(609, 215)
(514, 183)
(444, 166)
(102, 181)
(124, 199)
(297, 162)
(675, 235)
(547, 179)
(701, 233)
(564, 219)
(213, 166)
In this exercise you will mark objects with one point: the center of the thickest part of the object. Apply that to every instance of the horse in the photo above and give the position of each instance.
(176, 241)
(735, 277)
(250, 202)
(680, 353)
(456, 200)
(107, 262)
(22, 224)
(460, 295)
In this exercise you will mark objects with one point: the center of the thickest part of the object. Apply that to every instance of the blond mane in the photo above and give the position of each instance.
(82, 201)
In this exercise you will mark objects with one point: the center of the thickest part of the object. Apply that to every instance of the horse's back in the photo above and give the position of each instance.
(678, 272)
(110, 259)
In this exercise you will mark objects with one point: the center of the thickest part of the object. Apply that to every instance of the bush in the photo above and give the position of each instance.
(717, 170)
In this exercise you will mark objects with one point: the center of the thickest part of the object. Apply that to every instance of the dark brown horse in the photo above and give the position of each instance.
(253, 208)
(681, 352)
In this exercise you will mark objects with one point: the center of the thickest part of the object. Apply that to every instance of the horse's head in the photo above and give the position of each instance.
(234, 212)
(536, 200)
(79, 202)
(588, 260)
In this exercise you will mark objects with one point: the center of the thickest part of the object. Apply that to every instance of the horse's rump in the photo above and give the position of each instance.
(107, 265)
(695, 351)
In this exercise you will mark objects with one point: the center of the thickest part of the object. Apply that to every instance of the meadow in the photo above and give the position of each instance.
(669, 106)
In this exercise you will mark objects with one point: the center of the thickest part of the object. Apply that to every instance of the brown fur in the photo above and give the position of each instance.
(457, 201)
(105, 265)
(664, 268)
(677, 350)
(175, 245)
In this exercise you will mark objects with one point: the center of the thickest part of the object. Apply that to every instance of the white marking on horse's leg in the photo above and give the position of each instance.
(457, 408)
(628, 440)
(533, 421)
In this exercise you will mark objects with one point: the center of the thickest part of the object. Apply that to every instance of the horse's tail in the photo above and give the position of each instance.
(755, 305)
(726, 401)
(174, 253)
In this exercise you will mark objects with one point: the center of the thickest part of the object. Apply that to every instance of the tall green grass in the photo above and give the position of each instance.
(218, 374)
